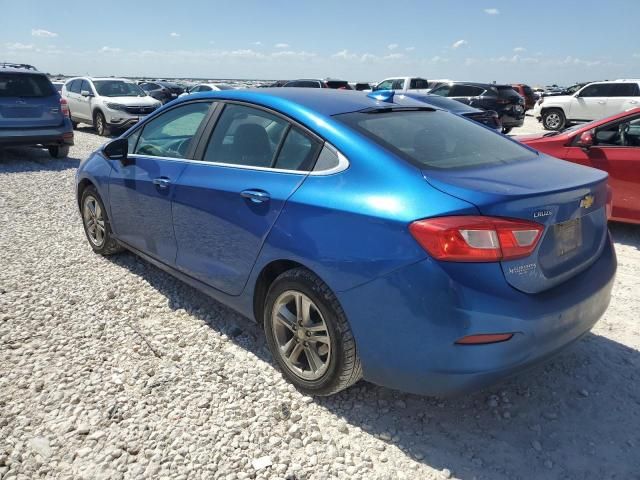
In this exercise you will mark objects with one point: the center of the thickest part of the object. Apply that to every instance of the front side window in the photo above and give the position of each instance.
(465, 91)
(245, 136)
(386, 85)
(170, 134)
(435, 139)
(443, 90)
(619, 134)
(85, 87)
(595, 90)
(74, 86)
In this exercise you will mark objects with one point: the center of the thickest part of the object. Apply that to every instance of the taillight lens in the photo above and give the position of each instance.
(476, 238)
(64, 107)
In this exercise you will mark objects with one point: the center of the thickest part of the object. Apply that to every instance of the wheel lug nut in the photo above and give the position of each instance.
(306, 344)
(308, 334)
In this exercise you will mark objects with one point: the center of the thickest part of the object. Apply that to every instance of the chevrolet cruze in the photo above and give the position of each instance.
(373, 236)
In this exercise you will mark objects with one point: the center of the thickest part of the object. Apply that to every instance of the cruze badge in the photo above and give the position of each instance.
(541, 213)
(586, 201)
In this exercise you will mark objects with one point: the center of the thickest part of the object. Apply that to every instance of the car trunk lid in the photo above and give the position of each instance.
(571, 204)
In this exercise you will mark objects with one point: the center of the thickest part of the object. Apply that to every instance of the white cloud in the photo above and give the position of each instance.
(292, 54)
(281, 45)
(393, 56)
(439, 59)
(458, 44)
(392, 46)
(258, 43)
(18, 46)
(636, 55)
(344, 54)
(492, 11)
(110, 50)
(410, 49)
(39, 32)
(174, 34)
(519, 49)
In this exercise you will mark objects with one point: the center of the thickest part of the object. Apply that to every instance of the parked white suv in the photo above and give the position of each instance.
(592, 102)
(404, 85)
(107, 103)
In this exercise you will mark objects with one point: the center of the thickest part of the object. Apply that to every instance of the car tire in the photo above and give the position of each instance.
(96, 224)
(506, 130)
(323, 336)
(553, 119)
(100, 124)
(59, 151)
(74, 125)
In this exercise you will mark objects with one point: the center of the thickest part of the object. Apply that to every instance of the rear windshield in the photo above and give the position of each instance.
(25, 85)
(435, 139)
(506, 92)
(118, 88)
(338, 84)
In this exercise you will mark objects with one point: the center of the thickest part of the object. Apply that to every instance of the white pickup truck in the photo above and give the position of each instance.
(404, 85)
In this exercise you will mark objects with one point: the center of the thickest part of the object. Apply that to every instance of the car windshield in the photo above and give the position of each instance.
(117, 88)
(25, 85)
(224, 87)
(435, 139)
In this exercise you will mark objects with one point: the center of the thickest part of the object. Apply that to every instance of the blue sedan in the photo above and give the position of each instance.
(373, 237)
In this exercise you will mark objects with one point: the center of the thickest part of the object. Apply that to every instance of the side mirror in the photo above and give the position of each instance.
(86, 93)
(586, 140)
(117, 149)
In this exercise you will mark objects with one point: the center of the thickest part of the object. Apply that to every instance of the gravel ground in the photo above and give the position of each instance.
(109, 368)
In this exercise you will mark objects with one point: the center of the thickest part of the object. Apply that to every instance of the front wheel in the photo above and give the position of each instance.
(96, 223)
(101, 125)
(553, 119)
(309, 335)
(59, 151)
(506, 130)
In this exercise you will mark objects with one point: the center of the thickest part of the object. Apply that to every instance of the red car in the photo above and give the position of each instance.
(611, 144)
(526, 92)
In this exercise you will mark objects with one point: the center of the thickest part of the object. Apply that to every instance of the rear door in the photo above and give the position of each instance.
(617, 152)
(225, 205)
(622, 96)
(140, 190)
(28, 100)
(418, 85)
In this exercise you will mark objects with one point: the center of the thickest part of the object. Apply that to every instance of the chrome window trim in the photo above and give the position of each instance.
(343, 164)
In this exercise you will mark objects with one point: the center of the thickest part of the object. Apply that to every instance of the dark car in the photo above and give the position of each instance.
(488, 118)
(502, 99)
(161, 90)
(316, 83)
(526, 92)
(32, 112)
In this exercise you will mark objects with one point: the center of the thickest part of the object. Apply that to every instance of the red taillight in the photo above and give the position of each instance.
(64, 107)
(476, 238)
(484, 338)
(609, 206)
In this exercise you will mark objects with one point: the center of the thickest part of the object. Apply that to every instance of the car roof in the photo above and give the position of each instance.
(295, 101)
(7, 67)
(482, 85)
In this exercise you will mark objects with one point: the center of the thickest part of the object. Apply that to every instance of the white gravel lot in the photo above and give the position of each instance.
(110, 368)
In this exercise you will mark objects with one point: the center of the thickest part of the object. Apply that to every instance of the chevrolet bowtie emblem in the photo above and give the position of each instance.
(586, 201)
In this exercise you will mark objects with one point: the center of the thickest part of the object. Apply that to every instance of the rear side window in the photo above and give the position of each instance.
(435, 139)
(507, 92)
(338, 84)
(246, 136)
(170, 134)
(304, 83)
(623, 90)
(298, 152)
(25, 85)
(465, 91)
(418, 84)
(443, 91)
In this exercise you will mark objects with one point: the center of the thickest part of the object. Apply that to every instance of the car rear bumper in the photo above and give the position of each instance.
(37, 136)
(511, 120)
(407, 341)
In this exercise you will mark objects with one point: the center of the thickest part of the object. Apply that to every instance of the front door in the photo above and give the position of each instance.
(225, 206)
(83, 102)
(617, 151)
(140, 190)
(590, 103)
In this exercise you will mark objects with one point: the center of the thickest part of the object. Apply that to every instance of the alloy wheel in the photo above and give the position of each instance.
(93, 220)
(301, 334)
(553, 120)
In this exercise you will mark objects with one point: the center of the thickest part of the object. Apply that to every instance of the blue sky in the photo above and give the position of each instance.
(538, 42)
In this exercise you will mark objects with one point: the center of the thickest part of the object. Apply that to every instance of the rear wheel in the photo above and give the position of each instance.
(100, 124)
(553, 119)
(59, 151)
(309, 335)
(96, 223)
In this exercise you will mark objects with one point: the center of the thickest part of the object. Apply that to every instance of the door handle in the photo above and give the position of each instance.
(162, 182)
(256, 196)
(601, 102)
